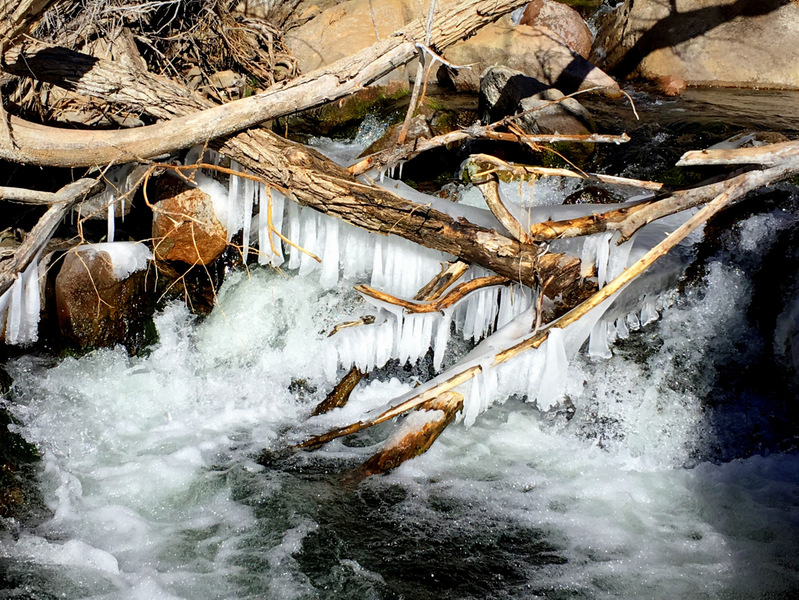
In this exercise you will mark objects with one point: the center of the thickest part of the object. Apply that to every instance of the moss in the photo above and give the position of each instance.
(343, 117)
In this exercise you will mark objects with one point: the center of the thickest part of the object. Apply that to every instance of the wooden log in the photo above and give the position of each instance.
(315, 181)
(36, 144)
(63, 201)
(413, 437)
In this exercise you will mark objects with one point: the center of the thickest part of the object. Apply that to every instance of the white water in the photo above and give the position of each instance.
(149, 469)
(628, 477)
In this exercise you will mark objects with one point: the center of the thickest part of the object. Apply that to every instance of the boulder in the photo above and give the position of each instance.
(348, 27)
(185, 226)
(561, 20)
(96, 304)
(739, 43)
(505, 91)
(535, 51)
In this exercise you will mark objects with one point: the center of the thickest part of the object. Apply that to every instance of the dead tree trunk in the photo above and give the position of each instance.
(305, 175)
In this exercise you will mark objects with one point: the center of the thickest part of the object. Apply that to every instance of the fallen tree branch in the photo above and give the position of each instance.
(481, 165)
(26, 196)
(629, 219)
(414, 436)
(768, 155)
(65, 199)
(747, 183)
(450, 273)
(48, 146)
(391, 156)
(453, 297)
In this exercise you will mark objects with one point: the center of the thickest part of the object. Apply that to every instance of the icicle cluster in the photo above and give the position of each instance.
(400, 268)
(20, 306)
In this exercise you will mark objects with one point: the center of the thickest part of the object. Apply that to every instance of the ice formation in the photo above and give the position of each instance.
(126, 257)
(400, 268)
(20, 306)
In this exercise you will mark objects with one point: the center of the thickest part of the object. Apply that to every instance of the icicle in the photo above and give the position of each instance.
(633, 324)
(401, 164)
(122, 207)
(111, 206)
(232, 203)
(442, 337)
(294, 234)
(618, 258)
(471, 403)
(621, 328)
(649, 313)
(378, 263)
(24, 306)
(598, 346)
(602, 256)
(278, 207)
(330, 256)
(248, 201)
(309, 236)
(612, 335)
(555, 372)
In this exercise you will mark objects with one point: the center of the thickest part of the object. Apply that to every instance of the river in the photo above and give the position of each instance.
(667, 471)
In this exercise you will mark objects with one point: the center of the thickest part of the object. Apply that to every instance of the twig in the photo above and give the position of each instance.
(391, 156)
(420, 80)
(457, 294)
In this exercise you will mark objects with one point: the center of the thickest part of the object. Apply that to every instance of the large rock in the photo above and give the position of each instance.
(505, 91)
(561, 20)
(98, 304)
(185, 227)
(746, 43)
(535, 51)
(350, 26)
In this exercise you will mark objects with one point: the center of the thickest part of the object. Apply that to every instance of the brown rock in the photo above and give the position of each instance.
(561, 20)
(741, 43)
(94, 307)
(186, 229)
(535, 51)
(348, 27)
(671, 85)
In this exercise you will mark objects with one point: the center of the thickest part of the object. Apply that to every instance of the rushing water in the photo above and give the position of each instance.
(668, 471)
(643, 484)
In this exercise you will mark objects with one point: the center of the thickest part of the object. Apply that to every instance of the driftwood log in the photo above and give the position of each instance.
(303, 174)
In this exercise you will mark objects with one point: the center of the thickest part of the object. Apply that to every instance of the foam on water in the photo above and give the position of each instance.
(148, 469)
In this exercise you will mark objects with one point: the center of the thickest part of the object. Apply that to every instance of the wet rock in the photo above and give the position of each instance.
(671, 85)
(561, 20)
(747, 43)
(346, 114)
(95, 306)
(536, 51)
(185, 227)
(505, 91)
(592, 194)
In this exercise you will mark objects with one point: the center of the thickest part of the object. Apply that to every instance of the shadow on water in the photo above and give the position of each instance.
(380, 539)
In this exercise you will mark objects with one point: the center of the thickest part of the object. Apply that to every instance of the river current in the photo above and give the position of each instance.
(667, 471)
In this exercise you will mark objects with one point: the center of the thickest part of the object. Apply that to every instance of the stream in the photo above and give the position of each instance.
(670, 470)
